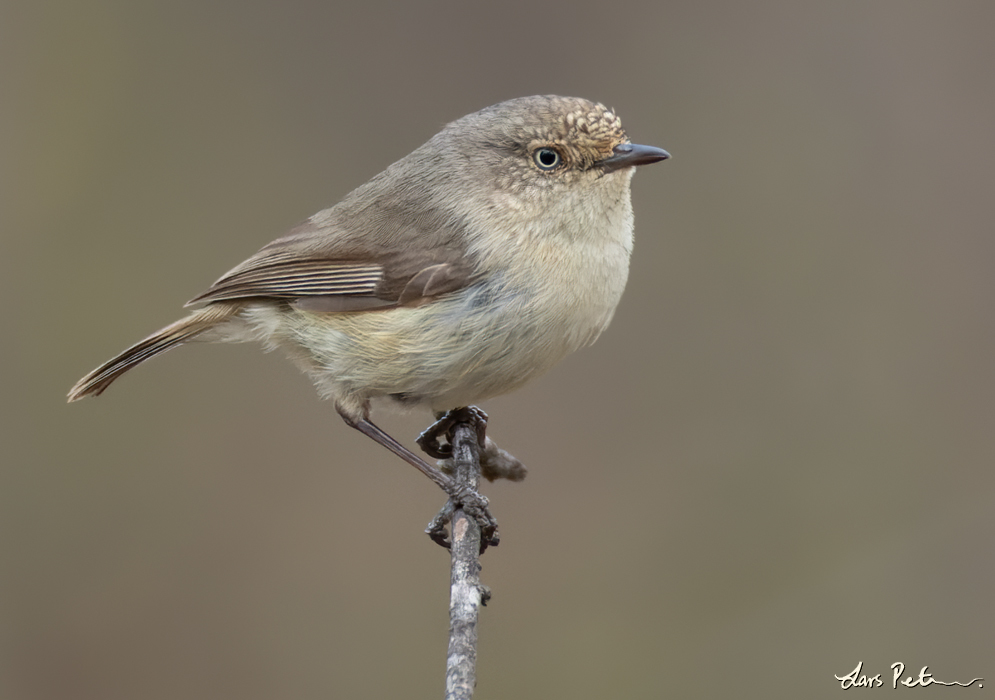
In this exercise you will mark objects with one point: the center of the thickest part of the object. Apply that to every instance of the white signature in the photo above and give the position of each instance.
(856, 679)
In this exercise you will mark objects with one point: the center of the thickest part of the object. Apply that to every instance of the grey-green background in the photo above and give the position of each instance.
(776, 463)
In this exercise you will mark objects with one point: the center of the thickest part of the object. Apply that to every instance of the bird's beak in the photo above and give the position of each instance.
(627, 155)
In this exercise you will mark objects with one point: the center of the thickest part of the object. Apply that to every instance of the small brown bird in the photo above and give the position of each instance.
(459, 273)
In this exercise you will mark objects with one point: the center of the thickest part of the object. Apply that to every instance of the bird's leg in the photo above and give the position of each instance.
(429, 438)
(371, 430)
(471, 501)
(429, 441)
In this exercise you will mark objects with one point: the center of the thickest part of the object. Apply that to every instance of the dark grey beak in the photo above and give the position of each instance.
(630, 154)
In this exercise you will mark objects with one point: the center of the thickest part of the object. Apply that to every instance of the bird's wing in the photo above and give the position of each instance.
(319, 267)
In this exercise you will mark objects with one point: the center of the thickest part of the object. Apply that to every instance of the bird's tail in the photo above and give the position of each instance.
(162, 340)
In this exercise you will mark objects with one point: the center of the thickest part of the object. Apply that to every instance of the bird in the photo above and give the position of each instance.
(459, 273)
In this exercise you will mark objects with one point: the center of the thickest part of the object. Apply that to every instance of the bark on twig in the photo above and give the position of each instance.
(466, 592)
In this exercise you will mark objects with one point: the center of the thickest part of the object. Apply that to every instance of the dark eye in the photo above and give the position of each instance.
(546, 158)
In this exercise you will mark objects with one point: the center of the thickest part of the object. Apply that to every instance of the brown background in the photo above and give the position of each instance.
(776, 463)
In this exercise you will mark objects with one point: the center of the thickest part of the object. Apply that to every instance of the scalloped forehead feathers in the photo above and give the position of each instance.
(589, 129)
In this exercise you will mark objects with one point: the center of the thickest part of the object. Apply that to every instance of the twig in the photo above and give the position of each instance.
(466, 592)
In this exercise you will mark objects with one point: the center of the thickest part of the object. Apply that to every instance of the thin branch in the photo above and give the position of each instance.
(466, 592)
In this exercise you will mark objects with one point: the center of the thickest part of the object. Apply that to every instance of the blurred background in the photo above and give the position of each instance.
(776, 463)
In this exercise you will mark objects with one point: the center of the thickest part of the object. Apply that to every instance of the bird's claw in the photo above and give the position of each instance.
(430, 442)
(475, 506)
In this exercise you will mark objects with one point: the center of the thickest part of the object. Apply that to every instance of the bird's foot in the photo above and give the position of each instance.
(475, 506)
(429, 440)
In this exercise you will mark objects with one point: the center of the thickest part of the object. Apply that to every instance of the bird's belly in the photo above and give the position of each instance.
(474, 344)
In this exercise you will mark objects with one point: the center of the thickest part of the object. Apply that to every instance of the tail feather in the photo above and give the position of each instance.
(162, 340)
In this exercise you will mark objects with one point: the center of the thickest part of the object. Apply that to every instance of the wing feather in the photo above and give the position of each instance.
(362, 254)
(290, 279)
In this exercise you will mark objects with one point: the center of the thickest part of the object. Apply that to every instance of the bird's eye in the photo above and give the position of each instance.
(546, 158)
